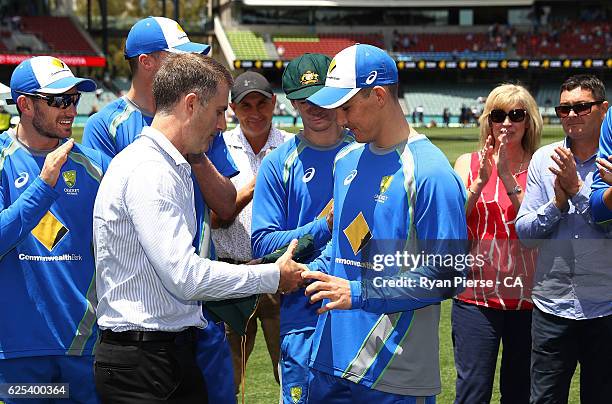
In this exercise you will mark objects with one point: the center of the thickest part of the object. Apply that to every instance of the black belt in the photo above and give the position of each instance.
(185, 336)
(231, 261)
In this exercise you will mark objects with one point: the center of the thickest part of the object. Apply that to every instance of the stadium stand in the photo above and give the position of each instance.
(247, 45)
(435, 97)
(60, 33)
(328, 44)
(571, 39)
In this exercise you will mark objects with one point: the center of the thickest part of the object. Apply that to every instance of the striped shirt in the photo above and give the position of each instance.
(235, 241)
(147, 273)
(506, 264)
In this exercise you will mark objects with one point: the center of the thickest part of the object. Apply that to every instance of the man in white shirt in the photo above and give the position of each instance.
(149, 280)
(253, 103)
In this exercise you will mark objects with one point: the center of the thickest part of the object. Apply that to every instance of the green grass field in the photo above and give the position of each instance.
(261, 388)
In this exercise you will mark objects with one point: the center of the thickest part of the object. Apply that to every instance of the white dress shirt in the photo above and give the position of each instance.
(235, 241)
(147, 273)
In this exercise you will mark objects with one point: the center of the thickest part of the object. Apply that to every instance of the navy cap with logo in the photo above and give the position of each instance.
(305, 75)
(249, 82)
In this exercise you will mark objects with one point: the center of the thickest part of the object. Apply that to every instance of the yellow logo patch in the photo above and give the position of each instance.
(178, 26)
(296, 393)
(49, 231)
(69, 178)
(332, 66)
(385, 183)
(358, 233)
(309, 78)
(58, 63)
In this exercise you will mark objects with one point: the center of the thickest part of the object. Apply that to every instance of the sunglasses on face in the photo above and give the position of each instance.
(515, 115)
(584, 108)
(57, 101)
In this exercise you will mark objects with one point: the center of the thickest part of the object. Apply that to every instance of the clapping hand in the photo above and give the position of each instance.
(566, 171)
(485, 157)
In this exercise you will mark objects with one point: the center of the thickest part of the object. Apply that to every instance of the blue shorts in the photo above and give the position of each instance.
(294, 371)
(215, 361)
(330, 389)
(77, 371)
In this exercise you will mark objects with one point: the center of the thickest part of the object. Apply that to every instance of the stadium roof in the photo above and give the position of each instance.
(388, 3)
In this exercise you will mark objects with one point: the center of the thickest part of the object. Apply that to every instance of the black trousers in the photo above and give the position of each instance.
(148, 372)
(558, 345)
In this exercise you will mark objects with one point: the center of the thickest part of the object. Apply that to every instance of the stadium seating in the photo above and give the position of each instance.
(571, 40)
(247, 45)
(435, 97)
(291, 46)
(447, 47)
(59, 33)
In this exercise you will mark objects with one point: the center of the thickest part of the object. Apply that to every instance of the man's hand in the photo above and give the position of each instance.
(337, 290)
(290, 271)
(54, 162)
(566, 171)
(605, 169)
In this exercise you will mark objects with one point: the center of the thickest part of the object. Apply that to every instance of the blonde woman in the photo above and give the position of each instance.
(496, 306)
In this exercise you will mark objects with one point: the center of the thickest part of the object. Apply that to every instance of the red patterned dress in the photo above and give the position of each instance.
(506, 264)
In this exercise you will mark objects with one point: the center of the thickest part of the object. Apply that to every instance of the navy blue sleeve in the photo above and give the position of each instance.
(269, 221)
(17, 219)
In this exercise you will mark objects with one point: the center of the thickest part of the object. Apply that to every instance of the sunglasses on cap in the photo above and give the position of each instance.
(515, 115)
(57, 101)
(584, 108)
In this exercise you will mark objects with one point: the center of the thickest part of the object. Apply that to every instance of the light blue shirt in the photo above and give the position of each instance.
(573, 277)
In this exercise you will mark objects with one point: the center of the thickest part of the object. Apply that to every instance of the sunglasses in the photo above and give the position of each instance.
(584, 108)
(499, 115)
(57, 101)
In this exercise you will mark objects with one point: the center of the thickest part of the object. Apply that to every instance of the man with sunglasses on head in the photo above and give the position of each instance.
(48, 185)
(117, 125)
(572, 292)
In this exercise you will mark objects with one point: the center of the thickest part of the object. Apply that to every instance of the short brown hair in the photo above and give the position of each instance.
(585, 82)
(184, 73)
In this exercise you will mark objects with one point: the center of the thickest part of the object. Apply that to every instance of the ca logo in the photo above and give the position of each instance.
(308, 174)
(22, 179)
(349, 178)
(372, 77)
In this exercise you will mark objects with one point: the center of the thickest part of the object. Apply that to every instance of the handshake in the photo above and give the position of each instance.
(294, 275)
(290, 270)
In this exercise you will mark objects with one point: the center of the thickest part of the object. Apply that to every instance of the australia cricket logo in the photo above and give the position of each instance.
(69, 178)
